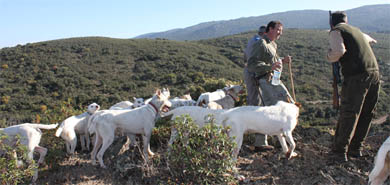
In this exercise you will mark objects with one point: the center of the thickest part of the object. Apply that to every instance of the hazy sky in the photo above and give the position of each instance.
(28, 21)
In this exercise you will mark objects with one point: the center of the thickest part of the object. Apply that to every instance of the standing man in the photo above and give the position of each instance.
(360, 89)
(252, 86)
(261, 61)
(250, 78)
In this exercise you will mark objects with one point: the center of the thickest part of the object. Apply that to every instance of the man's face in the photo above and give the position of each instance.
(275, 33)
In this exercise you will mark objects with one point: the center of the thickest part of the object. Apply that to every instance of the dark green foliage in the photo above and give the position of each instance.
(201, 155)
(102, 70)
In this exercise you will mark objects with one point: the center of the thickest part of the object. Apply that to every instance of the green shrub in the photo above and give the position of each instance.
(201, 155)
(9, 172)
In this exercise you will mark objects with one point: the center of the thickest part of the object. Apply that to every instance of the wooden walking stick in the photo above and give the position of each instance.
(292, 81)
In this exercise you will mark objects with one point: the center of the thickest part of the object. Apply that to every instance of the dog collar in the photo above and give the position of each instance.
(235, 99)
(155, 108)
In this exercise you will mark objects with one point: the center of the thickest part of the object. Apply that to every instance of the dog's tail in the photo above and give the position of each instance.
(59, 130)
(380, 159)
(201, 100)
(169, 113)
(43, 126)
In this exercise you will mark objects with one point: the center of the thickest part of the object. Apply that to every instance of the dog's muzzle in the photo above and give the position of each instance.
(165, 108)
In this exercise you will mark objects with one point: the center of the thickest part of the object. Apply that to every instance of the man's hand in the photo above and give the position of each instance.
(286, 59)
(277, 66)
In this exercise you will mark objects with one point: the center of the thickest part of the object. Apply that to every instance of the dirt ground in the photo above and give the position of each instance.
(311, 166)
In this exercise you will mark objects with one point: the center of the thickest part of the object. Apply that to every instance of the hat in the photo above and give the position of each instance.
(262, 29)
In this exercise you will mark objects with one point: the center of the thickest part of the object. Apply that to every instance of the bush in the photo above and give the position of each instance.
(9, 172)
(201, 155)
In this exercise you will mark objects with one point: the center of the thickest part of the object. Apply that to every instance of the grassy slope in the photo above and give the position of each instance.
(106, 70)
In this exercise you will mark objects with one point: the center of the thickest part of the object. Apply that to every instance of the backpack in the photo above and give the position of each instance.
(251, 49)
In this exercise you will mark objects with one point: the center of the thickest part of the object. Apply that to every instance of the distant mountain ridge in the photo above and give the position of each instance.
(371, 18)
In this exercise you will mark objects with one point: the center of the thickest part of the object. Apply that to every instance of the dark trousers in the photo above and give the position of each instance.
(359, 96)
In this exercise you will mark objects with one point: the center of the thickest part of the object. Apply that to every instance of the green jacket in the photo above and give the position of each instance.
(262, 56)
(359, 57)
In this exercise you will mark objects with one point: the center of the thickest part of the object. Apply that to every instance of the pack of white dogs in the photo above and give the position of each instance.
(140, 117)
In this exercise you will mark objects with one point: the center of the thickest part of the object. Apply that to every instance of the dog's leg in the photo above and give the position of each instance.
(150, 151)
(18, 163)
(93, 139)
(131, 139)
(67, 146)
(238, 140)
(35, 176)
(42, 153)
(96, 146)
(73, 141)
(172, 139)
(87, 139)
(108, 138)
(283, 143)
(82, 141)
(381, 178)
(383, 174)
(291, 142)
(30, 156)
(146, 144)
(381, 169)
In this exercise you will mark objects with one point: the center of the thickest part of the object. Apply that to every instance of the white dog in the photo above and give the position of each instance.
(179, 102)
(207, 97)
(186, 96)
(228, 101)
(133, 121)
(381, 169)
(76, 125)
(138, 102)
(279, 120)
(30, 136)
(122, 105)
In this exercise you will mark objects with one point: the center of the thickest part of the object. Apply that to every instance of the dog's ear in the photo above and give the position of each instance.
(299, 105)
(158, 92)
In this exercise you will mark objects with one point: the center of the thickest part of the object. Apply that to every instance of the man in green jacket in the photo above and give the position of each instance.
(262, 60)
(360, 88)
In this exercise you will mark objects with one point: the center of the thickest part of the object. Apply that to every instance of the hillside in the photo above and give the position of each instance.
(102, 70)
(372, 18)
(55, 79)
(107, 71)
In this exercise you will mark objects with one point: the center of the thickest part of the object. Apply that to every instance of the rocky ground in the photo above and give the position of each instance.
(311, 166)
